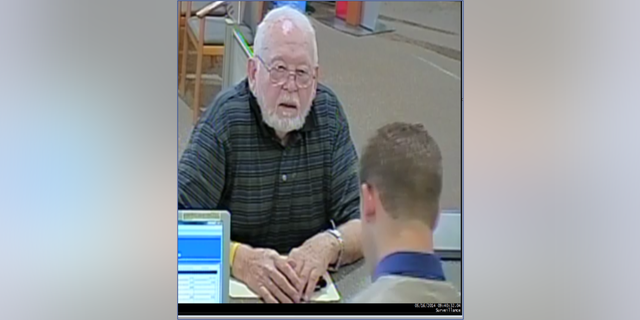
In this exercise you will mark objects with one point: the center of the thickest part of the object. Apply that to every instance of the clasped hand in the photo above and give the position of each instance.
(278, 279)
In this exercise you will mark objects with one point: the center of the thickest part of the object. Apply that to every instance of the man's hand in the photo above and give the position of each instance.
(311, 260)
(267, 274)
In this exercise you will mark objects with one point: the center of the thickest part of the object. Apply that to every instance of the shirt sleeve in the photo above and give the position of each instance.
(201, 170)
(345, 192)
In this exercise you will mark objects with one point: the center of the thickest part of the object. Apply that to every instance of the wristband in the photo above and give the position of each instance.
(232, 255)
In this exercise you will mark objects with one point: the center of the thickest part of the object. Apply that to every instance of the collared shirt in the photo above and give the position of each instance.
(278, 196)
(410, 264)
(409, 277)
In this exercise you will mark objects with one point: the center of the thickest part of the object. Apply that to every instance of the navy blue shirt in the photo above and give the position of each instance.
(279, 196)
(411, 264)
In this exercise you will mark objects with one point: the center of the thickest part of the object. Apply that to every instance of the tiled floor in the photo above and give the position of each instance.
(381, 79)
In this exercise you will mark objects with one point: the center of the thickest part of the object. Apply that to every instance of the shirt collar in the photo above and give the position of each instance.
(310, 122)
(411, 264)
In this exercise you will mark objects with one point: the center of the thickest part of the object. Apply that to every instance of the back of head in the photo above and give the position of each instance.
(402, 162)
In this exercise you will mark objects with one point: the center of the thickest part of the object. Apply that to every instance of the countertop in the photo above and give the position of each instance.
(351, 279)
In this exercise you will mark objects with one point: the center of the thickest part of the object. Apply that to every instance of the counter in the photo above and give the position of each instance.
(351, 279)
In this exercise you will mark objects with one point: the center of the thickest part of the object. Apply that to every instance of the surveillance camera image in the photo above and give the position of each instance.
(319, 148)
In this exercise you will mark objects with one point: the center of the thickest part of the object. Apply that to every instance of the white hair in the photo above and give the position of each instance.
(280, 14)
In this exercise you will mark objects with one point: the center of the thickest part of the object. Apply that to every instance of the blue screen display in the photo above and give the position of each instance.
(200, 271)
(199, 248)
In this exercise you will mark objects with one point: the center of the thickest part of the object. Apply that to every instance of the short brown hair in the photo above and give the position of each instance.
(403, 163)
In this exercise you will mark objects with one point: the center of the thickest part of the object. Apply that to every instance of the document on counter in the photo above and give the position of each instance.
(329, 293)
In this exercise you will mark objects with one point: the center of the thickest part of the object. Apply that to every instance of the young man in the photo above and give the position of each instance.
(400, 185)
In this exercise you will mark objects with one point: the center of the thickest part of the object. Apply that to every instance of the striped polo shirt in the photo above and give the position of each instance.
(278, 196)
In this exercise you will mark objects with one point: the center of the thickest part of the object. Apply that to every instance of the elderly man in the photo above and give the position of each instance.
(401, 174)
(276, 152)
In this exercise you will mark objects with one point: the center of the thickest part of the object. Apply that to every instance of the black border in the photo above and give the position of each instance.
(337, 309)
(462, 151)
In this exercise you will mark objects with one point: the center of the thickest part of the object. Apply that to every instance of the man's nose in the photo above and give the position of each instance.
(290, 84)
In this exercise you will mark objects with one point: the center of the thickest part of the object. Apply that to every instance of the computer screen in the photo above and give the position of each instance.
(448, 235)
(200, 266)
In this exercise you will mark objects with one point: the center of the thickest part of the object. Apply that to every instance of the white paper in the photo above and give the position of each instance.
(239, 290)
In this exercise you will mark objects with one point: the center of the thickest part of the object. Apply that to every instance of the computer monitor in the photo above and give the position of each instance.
(203, 251)
(448, 235)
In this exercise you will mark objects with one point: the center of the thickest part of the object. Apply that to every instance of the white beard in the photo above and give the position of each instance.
(279, 124)
(284, 124)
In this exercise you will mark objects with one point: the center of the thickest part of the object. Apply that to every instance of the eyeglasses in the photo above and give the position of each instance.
(279, 74)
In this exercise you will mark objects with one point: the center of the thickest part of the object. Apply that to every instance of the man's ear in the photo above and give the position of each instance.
(316, 81)
(368, 195)
(252, 68)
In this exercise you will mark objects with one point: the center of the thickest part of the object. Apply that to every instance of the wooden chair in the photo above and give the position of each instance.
(211, 41)
(187, 10)
(182, 13)
(197, 6)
